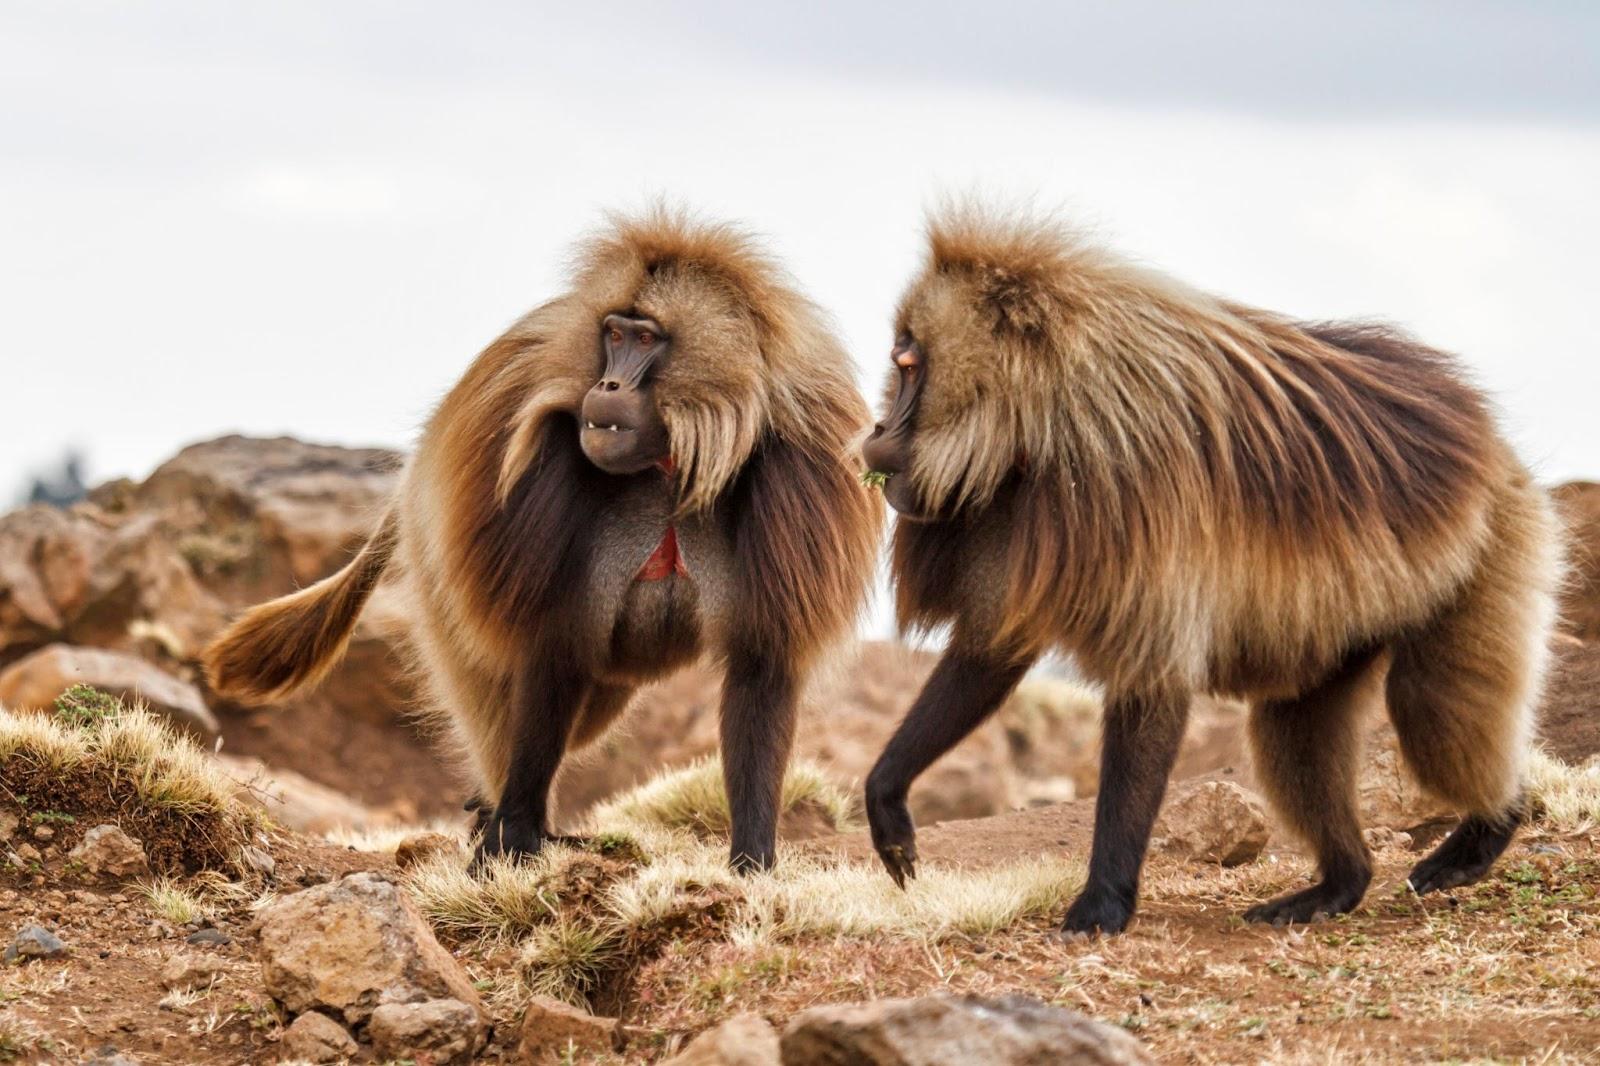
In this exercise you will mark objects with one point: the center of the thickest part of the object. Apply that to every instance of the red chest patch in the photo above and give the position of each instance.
(665, 561)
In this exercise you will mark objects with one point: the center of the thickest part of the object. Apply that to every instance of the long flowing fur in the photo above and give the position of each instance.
(1196, 495)
(500, 517)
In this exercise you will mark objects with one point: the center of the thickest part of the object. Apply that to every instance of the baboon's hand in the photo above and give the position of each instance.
(894, 835)
(508, 836)
(1097, 910)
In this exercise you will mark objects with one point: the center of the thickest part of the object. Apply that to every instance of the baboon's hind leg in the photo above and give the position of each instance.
(1307, 756)
(1461, 695)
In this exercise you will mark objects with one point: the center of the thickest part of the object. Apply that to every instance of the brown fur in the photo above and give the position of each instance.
(518, 549)
(1192, 495)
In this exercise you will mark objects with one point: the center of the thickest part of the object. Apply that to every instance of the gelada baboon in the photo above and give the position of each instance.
(1191, 495)
(658, 463)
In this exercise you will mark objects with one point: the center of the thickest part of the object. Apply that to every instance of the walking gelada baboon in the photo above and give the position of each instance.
(1191, 495)
(656, 464)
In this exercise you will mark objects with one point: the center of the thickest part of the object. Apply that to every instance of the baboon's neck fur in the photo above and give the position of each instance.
(1139, 427)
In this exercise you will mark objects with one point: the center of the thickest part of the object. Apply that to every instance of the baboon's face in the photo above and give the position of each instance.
(623, 432)
(888, 450)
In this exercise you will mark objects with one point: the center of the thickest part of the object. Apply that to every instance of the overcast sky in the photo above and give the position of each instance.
(307, 217)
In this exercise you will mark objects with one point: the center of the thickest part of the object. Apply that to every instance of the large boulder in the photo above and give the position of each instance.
(347, 947)
(35, 682)
(947, 1030)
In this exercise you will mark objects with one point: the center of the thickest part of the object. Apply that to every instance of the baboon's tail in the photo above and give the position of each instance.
(292, 642)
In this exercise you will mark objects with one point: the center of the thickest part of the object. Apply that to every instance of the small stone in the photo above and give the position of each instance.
(35, 942)
(106, 849)
(184, 972)
(43, 833)
(550, 1026)
(1214, 821)
(8, 825)
(439, 1031)
(107, 1055)
(314, 1037)
(258, 861)
(28, 853)
(743, 1040)
(420, 847)
(1380, 837)
(208, 938)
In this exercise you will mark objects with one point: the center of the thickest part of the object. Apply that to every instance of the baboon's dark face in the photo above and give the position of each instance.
(888, 450)
(623, 432)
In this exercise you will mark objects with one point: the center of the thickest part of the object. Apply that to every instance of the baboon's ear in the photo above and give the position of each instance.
(1017, 302)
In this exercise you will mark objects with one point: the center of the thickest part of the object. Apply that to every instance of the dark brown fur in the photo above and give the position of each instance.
(532, 628)
(1190, 496)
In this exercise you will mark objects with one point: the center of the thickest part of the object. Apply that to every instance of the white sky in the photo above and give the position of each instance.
(307, 217)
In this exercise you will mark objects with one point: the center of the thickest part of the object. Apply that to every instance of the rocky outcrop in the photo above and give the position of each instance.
(155, 569)
(941, 1030)
(37, 680)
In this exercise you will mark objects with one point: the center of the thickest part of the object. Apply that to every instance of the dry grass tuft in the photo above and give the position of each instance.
(650, 871)
(1566, 798)
(694, 798)
(98, 760)
(173, 902)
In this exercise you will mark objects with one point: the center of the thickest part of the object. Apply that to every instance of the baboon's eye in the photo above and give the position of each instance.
(615, 336)
(647, 338)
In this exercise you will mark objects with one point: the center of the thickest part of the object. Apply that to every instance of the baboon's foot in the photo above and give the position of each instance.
(894, 835)
(1465, 855)
(508, 837)
(1098, 910)
(1324, 899)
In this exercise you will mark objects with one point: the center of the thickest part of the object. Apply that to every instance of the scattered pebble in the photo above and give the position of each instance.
(43, 833)
(211, 937)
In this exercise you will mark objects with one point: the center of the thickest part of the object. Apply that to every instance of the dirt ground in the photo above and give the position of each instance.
(1508, 970)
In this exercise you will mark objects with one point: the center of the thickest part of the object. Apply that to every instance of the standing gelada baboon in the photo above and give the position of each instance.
(654, 465)
(1191, 495)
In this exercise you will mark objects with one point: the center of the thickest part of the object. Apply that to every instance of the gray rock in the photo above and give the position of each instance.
(35, 942)
(208, 938)
(440, 1031)
(314, 1037)
(951, 1030)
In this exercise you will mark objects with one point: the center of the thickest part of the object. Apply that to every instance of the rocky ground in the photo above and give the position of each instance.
(246, 901)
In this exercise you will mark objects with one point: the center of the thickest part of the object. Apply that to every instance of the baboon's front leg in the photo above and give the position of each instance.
(548, 693)
(758, 713)
(964, 689)
(1139, 745)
